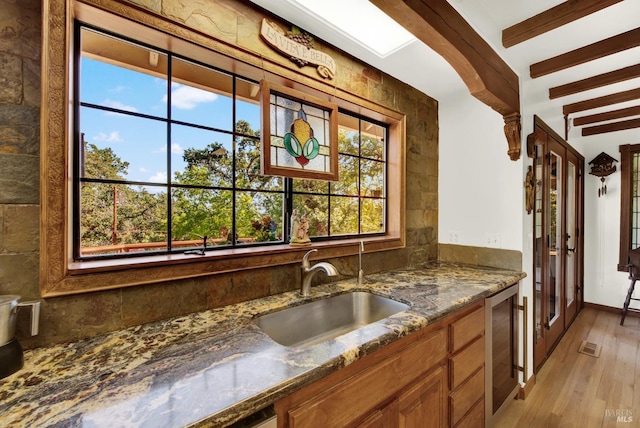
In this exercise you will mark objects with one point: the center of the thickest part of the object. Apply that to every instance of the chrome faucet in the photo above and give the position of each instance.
(308, 271)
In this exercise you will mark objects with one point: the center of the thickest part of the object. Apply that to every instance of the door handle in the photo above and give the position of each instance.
(571, 250)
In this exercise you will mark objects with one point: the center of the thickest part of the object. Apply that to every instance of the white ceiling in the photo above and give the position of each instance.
(417, 65)
(490, 17)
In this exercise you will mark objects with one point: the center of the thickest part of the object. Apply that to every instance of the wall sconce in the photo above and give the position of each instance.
(602, 166)
(529, 185)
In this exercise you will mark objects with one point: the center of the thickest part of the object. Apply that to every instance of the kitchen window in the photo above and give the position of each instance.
(152, 194)
(167, 160)
(629, 202)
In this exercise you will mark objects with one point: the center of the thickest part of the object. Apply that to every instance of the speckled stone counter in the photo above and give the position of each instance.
(215, 367)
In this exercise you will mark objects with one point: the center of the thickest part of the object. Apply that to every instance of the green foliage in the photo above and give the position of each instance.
(359, 178)
(139, 214)
(104, 164)
(209, 212)
(202, 196)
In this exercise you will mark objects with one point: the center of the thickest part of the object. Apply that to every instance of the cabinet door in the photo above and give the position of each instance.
(350, 400)
(382, 418)
(423, 404)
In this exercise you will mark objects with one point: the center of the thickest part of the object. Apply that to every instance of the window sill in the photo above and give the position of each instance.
(96, 275)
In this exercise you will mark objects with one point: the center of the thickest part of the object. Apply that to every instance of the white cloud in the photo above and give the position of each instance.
(188, 97)
(112, 137)
(143, 169)
(120, 88)
(176, 149)
(158, 177)
(120, 106)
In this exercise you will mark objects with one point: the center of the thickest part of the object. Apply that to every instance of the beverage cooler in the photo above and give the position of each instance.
(501, 351)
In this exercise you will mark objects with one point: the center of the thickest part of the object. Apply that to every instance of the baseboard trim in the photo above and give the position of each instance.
(630, 313)
(526, 389)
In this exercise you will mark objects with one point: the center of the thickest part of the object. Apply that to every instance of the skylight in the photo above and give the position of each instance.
(360, 21)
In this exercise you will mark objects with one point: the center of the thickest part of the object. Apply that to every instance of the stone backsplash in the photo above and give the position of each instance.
(480, 256)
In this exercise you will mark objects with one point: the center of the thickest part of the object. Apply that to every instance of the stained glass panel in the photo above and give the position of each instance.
(303, 137)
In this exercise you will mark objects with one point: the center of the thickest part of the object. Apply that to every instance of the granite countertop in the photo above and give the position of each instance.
(215, 367)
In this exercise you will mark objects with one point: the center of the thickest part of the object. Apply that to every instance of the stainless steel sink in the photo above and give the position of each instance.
(324, 319)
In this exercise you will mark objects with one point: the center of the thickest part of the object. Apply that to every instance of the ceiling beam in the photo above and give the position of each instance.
(612, 45)
(551, 19)
(600, 80)
(440, 27)
(611, 127)
(609, 115)
(618, 97)
(487, 76)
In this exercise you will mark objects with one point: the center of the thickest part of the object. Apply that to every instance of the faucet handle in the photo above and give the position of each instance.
(305, 259)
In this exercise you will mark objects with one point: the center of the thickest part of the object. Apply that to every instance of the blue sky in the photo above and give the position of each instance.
(142, 142)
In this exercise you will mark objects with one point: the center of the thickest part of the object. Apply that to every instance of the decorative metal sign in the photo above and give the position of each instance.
(298, 46)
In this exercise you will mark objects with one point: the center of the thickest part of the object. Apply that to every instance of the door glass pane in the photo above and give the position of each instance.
(538, 243)
(554, 236)
(570, 237)
(505, 376)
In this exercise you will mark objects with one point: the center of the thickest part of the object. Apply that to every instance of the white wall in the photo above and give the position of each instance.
(604, 285)
(480, 188)
(481, 191)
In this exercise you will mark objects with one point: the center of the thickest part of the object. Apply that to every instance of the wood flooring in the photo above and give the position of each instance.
(577, 390)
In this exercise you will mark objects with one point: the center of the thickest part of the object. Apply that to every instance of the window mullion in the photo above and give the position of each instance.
(234, 232)
(339, 196)
(169, 186)
(78, 148)
(288, 208)
(359, 176)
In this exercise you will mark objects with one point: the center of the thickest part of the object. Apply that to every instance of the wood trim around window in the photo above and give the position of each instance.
(59, 273)
(626, 175)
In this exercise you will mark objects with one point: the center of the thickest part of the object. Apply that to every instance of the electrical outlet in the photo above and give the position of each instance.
(493, 240)
(454, 236)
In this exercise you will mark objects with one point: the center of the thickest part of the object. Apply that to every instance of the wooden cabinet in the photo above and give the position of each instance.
(421, 405)
(466, 369)
(380, 418)
(405, 384)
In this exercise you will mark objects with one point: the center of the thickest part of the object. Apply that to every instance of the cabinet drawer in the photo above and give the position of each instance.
(466, 362)
(466, 329)
(465, 397)
(475, 418)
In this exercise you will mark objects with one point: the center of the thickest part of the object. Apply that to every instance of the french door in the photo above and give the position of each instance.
(573, 251)
(558, 239)
(553, 307)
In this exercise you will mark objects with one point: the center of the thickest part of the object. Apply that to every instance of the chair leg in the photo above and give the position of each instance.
(625, 307)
